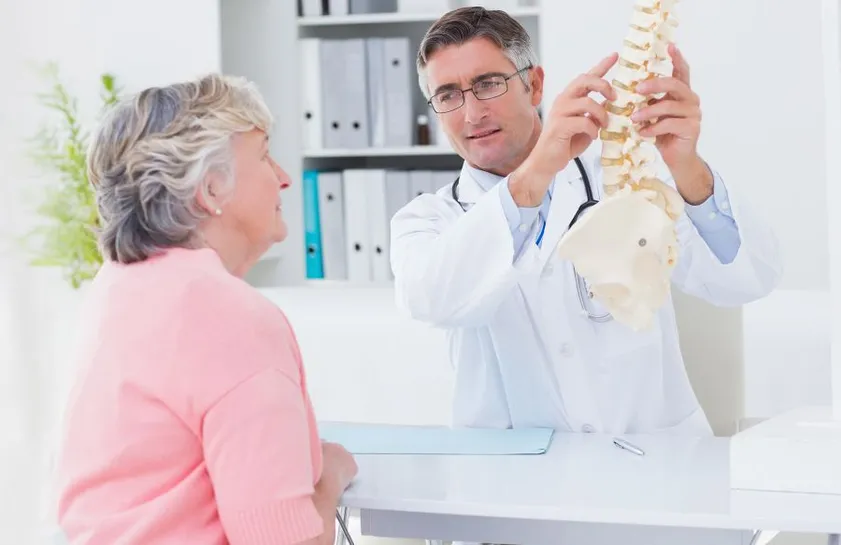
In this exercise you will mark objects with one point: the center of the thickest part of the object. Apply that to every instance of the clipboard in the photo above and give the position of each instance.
(364, 438)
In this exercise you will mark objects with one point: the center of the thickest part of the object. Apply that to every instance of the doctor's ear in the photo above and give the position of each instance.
(536, 76)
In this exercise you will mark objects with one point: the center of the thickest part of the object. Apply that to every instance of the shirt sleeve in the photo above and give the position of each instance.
(715, 223)
(520, 219)
(257, 448)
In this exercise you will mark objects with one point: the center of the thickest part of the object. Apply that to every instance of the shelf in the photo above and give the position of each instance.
(379, 152)
(388, 18)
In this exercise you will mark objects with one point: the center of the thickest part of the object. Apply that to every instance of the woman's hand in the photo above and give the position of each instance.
(339, 467)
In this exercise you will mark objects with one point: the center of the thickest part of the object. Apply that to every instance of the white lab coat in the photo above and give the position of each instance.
(523, 353)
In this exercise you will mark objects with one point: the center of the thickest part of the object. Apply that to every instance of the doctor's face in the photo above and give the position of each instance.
(495, 134)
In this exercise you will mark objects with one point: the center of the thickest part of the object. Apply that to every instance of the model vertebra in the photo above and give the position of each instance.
(626, 246)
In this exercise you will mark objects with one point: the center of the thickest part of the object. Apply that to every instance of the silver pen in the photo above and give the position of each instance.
(625, 445)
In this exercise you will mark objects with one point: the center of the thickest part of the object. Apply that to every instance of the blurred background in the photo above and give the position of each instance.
(759, 68)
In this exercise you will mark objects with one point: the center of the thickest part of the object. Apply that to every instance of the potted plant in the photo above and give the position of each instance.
(66, 236)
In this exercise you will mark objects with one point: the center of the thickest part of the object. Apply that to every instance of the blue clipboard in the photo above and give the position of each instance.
(395, 439)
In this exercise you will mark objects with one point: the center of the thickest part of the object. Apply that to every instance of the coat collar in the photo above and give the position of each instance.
(565, 191)
(473, 182)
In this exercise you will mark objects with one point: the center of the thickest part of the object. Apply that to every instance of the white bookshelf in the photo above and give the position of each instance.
(260, 41)
(392, 18)
(410, 151)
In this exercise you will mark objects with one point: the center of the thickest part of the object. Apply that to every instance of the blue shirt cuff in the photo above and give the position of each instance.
(714, 221)
(520, 218)
(714, 213)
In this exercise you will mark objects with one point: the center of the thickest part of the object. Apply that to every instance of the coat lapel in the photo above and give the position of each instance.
(566, 199)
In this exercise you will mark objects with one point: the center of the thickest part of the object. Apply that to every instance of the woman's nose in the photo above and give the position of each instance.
(282, 178)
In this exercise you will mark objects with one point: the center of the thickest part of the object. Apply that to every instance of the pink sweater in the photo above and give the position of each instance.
(189, 422)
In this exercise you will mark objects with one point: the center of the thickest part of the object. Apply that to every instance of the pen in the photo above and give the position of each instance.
(621, 443)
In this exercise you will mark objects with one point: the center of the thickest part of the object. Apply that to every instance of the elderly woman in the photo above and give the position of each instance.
(189, 421)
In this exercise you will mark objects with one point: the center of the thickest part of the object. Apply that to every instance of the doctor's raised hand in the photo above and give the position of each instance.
(675, 122)
(477, 258)
(571, 126)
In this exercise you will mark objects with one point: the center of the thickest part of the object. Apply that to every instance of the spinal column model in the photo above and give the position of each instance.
(626, 245)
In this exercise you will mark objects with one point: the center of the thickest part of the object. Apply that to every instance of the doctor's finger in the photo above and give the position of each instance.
(583, 125)
(600, 69)
(666, 108)
(587, 107)
(588, 83)
(681, 67)
(673, 86)
(682, 128)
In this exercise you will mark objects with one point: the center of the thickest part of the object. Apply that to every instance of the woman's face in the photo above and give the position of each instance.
(254, 209)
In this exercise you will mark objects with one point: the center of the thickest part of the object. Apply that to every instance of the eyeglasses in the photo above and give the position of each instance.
(484, 89)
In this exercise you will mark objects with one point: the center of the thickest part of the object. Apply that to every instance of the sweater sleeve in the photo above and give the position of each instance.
(257, 448)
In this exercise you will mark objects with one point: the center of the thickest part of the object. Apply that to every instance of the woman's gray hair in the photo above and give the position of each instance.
(464, 24)
(153, 153)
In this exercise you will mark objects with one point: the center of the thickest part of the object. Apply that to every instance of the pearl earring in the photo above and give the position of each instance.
(218, 211)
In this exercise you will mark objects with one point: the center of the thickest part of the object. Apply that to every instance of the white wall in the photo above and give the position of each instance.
(146, 43)
(763, 129)
(365, 362)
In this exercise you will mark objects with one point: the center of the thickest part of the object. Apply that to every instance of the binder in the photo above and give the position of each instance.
(312, 225)
(312, 124)
(352, 92)
(331, 213)
(420, 182)
(364, 438)
(398, 92)
(423, 6)
(373, 6)
(396, 192)
(375, 66)
(331, 77)
(311, 8)
(442, 178)
(338, 7)
(357, 233)
(378, 221)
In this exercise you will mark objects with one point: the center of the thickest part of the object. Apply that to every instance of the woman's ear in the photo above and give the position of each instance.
(208, 195)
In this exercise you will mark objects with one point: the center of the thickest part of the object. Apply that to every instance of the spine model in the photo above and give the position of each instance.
(625, 247)
(627, 157)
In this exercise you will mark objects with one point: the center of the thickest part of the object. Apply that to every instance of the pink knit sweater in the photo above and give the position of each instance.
(189, 421)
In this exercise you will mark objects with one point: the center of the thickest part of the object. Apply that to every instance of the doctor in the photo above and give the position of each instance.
(479, 260)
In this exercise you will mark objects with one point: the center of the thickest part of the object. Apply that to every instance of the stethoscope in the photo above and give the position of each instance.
(583, 293)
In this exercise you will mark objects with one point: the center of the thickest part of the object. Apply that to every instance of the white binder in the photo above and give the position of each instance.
(332, 217)
(442, 178)
(397, 193)
(311, 8)
(375, 64)
(398, 92)
(378, 221)
(373, 6)
(423, 6)
(312, 122)
(338, 7)
(420, 182)
(352, 91)
(331, 76)
(357, 232)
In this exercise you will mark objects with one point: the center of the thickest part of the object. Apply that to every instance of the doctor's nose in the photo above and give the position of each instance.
(474, 109)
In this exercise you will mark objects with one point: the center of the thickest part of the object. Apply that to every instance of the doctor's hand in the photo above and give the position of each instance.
(675, 122)
(572, 124)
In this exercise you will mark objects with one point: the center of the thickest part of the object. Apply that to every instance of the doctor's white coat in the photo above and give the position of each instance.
(523, 353)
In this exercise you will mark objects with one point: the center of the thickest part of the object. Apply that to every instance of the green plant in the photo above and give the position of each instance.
(66, 238)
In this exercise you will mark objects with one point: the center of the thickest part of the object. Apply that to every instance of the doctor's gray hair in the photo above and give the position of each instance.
(462, 25)
(152, 155)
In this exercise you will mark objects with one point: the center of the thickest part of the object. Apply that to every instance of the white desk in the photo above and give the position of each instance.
(584, 490)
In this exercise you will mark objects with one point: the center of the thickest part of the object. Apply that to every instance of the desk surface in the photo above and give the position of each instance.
(681, 482)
